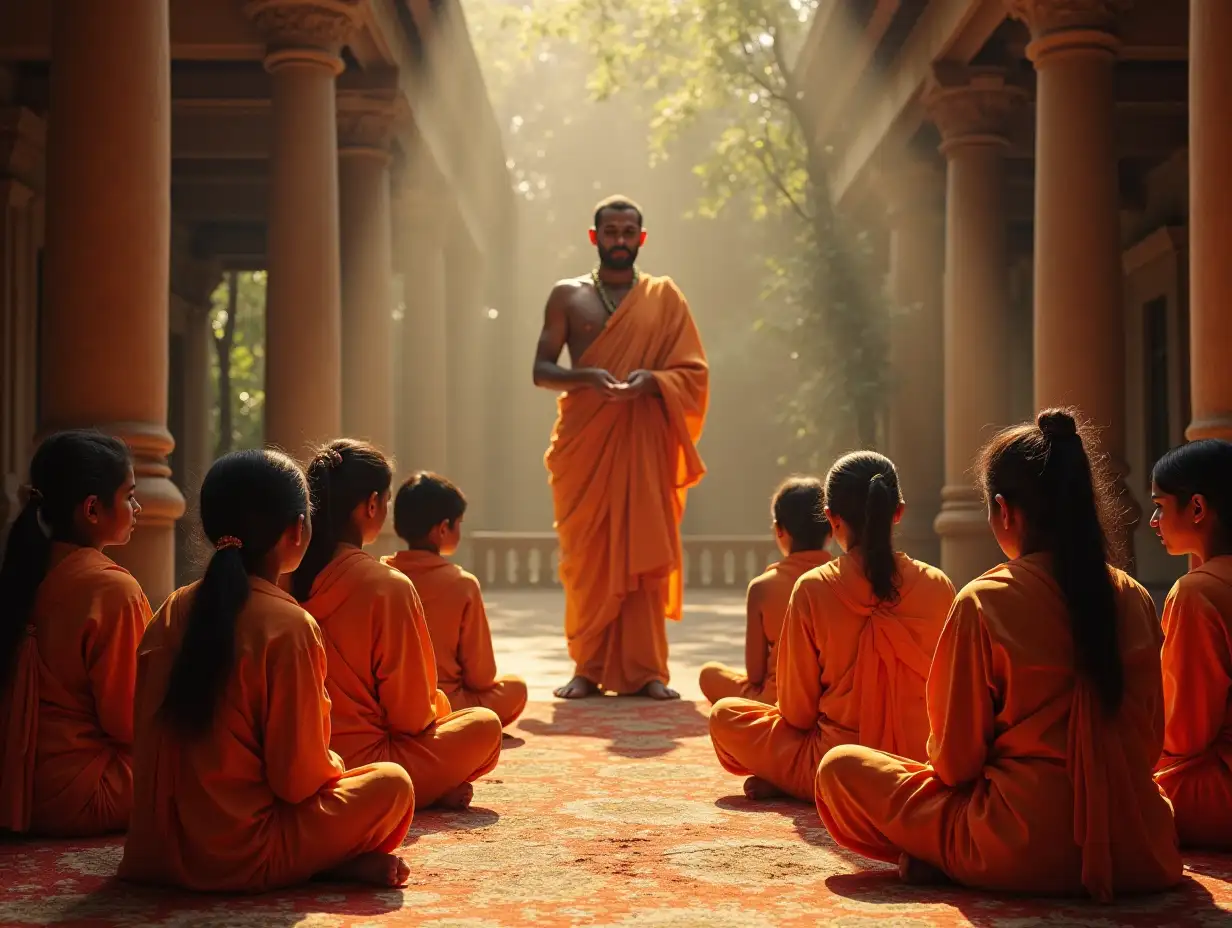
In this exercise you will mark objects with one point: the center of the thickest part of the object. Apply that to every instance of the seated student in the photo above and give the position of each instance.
(1045, 701)
(70, 620)
(428, 517)
(236, 787)
(855, 648)
(801, 532)
(382, 670)
(1192, 489)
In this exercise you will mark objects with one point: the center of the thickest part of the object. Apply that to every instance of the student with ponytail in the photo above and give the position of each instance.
(1045, 702)
(382, 669)
(236, 787)
(70, 620)
(1192, 490)
(855, 646)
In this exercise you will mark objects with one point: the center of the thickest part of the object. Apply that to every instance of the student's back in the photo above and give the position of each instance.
(236, 787)
(71, 626)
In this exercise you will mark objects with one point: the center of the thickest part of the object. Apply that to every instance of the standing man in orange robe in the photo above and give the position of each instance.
(622, 457)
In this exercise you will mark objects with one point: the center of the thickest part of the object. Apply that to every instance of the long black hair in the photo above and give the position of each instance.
(1051, 472)
(248, 501)
(67, 469)
(1200, 468)
(342, 475)
(862, 490)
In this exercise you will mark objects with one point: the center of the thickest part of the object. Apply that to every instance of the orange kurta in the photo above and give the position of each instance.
(766, 603)
(850, 671)
(1029, 788)
(461, 639)
(1196, 767)
(382, 681)
(620, 471)
(259, 801)
(66, 766)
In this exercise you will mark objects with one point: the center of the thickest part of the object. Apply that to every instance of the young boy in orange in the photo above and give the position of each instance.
(428, 513)
(801, 531)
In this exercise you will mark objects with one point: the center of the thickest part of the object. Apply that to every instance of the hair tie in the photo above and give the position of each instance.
(227, 541)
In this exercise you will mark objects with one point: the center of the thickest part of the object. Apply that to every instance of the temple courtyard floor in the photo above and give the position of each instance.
(605, 813)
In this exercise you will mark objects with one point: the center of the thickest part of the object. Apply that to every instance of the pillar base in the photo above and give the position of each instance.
(968, 547)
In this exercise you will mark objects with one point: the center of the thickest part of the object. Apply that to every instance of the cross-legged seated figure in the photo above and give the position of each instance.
(801, 531)
(623, 455)
(1192, 489)
(1045, 704)
(855, 650)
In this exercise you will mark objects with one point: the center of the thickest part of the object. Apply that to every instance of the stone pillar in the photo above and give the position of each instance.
(22, 136)
(303, 315)
(1079, 308)
(466, 291)
(105, 329)
(971, 107)
(423, 407)
(1210, 218)
(915, 196)
(367, 272)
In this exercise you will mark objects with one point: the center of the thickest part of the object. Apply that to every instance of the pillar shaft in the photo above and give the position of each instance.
(1079, 316)
(915, 194)
(303, 315)
(468, 376)
(1210, 221)
(972, 109)
(423, 399)
(105, 329)
(367, 285)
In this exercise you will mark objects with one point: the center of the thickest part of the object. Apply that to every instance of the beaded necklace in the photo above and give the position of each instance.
(608, 304)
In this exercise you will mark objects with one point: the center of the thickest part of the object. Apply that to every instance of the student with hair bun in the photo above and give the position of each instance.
(382, 667)
(1045, 702)
(236, 787)
(70, 620)
(855, 647)
(1191, 487)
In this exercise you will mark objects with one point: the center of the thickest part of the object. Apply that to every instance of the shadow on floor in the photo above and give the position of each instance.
(634, 726)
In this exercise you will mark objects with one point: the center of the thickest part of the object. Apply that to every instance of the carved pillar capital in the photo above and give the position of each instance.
(367, 124)
(1062, 24)
(304, 30)
(972, 106)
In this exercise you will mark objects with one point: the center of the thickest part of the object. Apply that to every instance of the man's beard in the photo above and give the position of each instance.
(617, 259)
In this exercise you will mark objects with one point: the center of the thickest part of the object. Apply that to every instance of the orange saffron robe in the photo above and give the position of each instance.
(66, 766)
(620, 472)
(382, 681)
(1195, 769)
(461, 639)
(260, 801)
(766, 602)
(1028, 787)
(850, 671)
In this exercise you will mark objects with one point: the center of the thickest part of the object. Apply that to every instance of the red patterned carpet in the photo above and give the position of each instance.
(609, 813)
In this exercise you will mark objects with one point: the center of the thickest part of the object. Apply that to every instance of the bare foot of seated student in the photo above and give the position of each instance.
(800, 532)
(372, 869)
(758, 789)
(382, 676)
(428, 515)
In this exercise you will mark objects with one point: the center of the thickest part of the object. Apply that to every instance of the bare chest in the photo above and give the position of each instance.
(588, 316)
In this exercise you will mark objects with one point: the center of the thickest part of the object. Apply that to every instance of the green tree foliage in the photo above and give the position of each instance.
(717, 80)
(238, 323)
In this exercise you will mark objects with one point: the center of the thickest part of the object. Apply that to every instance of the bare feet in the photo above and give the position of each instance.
(373, 869)
(655, 689)
(757, 788)
(577, 688)
(458, 798)
(919, 873)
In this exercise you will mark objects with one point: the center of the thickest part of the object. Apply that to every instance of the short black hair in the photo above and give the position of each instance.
(426, 500)
(617, 202)
(798, 509)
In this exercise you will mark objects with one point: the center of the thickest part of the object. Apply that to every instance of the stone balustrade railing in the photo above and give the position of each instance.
(529, 560)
